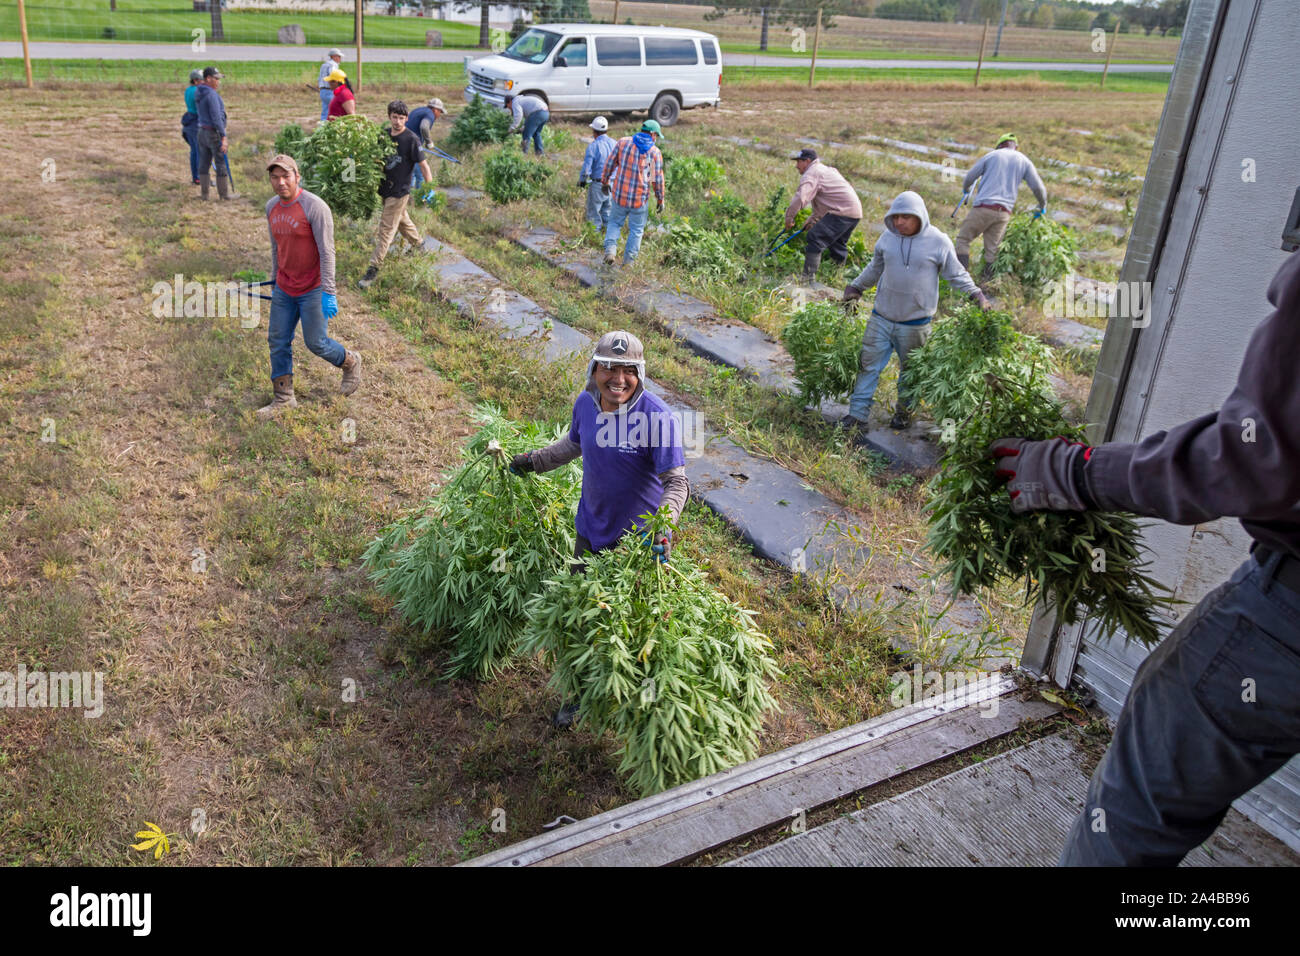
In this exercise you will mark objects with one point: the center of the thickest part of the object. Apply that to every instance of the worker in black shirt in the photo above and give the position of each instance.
(1215, 709)
(396, 189)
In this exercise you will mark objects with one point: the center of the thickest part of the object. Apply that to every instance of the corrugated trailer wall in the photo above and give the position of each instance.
(1207, 235)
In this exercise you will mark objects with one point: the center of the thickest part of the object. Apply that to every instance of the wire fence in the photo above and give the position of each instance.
(788, 28)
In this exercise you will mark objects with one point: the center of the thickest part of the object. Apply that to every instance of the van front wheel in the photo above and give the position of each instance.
(666, 109)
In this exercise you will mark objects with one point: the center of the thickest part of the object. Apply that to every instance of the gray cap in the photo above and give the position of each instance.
(196, 76)
(619, 348)
(335, 51)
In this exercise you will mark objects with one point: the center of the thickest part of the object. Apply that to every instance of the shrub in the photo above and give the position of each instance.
(480, 123)
(676, 670)
(508, 176)
(469, 558)
(690, 177)
(1036, 252)
(290, 140)
(343, 163)
(825, 345)
(705, 255)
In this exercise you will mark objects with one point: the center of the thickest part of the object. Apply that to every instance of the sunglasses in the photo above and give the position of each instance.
(610, 366)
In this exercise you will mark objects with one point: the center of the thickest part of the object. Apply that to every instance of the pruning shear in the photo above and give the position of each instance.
(792, 235)
(435, 151)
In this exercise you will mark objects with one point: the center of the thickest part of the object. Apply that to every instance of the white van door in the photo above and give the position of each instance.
(569, 86)
(617, 77)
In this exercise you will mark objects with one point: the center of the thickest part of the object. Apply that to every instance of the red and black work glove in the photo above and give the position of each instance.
(662, 545)
(521, 464)
(1042, 475)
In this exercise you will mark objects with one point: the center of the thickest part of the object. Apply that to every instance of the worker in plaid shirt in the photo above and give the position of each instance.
(632, 169)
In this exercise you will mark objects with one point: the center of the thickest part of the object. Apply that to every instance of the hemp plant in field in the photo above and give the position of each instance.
(479, 123)
(469, 558)
(825, 343)
(677, 671)
(988, 382)
(1036, 251)
(702, 254)
(509, 176)
(343, 163)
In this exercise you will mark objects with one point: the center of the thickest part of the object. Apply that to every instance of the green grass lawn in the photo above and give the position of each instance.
(168, 20)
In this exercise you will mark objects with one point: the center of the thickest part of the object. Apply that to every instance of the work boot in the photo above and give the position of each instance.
(565, 716)
(964, 259)
(609, 258)
(987, 274)
(283, 387)
(351, 373)
(365, 281)
(902, 418)
(223, 187)
(854, 429)
(205, 185)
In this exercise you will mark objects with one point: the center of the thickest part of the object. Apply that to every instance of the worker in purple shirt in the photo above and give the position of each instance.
(633, 461)
(1215, 709)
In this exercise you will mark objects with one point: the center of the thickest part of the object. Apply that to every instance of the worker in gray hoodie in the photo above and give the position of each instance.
(1000, 174)
(905, 265)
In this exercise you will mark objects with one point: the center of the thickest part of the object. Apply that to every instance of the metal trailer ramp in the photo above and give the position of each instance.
(696, 817)
(1011, 810)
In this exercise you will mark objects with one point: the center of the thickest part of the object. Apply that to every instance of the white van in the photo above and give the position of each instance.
(591, 68)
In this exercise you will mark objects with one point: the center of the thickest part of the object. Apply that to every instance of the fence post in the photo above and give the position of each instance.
(616, 12)
(27, 56)
(1109, 50)
(983, 39)
(817, 35)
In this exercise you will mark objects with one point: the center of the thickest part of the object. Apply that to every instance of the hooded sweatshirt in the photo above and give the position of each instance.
(906, 269)
(1000, 173)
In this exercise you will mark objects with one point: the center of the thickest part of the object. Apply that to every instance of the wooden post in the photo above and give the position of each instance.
(27, 55)
(1109, 50)
(983, 40)
(358, 36)
(817, 35)
(616, 12)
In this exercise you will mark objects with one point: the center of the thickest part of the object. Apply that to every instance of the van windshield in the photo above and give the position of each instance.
(533, 46)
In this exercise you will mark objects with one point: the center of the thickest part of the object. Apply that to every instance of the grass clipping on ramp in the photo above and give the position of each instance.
(985, 381)
(651, 652)
(467, 561)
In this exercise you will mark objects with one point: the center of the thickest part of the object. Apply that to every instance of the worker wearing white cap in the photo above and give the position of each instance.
(420, 122)
(593, 166)
(332, 61)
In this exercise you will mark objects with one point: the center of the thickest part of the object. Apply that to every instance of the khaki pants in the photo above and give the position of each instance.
(990, 223)
(392, 220)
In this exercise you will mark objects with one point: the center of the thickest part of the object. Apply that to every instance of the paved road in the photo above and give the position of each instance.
(235, 52)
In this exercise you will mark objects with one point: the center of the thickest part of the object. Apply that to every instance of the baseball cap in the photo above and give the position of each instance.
(804, 154)
(652, 126)
(600, 124)
(619, 348)
(335, 51)
(336, 76)
(1006, 137)
(212, 71)
(285, 161)
(196, 75)
(436, 104)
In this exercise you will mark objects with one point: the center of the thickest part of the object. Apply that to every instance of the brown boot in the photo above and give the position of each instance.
(351, 373)
(964, 259)
(283, 397)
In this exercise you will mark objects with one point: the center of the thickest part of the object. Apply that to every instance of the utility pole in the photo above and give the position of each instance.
(1109, 50)
(997, 44)
(817, 35)
(358, 35)
(984, 38)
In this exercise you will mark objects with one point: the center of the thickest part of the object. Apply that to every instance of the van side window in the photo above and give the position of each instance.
(670, 51)
(710, 51)
(618, 51)
(575, 52)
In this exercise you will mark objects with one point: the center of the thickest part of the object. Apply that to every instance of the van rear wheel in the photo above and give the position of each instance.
(666, 109)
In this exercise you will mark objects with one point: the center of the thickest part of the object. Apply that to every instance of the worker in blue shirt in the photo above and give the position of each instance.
(593, 167)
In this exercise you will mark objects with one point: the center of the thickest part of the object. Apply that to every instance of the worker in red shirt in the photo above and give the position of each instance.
(302, 268)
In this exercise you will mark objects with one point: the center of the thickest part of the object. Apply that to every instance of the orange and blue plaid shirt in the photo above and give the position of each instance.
(630, 174)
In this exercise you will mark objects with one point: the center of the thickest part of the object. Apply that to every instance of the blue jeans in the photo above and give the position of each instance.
(635, 227)
(533, 130)
(325, 96)
(1212, 712)
(286, 310)
(883, 338)
(598, 203)
(191, 134)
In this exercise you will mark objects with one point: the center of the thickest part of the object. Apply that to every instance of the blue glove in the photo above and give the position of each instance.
(1038, 213)
(661, 546)
(329, 302)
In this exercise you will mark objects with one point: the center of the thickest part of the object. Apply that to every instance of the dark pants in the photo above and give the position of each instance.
(581, 547)
(210, 155)
(1211, 713)
(830, 233)
(191, 136)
